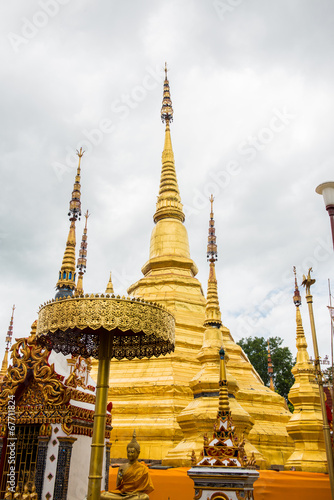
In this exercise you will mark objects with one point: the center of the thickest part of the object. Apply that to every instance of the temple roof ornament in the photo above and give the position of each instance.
(66, 282)
(169, 201)
(212, 311)
(110, 288)
(82, 259)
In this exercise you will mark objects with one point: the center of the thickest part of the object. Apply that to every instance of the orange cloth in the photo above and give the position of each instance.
(135, 479)
(287, 485)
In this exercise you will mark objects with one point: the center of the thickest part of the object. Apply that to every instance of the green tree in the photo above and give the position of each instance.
(256, 349)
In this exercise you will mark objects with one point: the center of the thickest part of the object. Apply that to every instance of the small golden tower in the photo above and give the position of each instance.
(66, 281)
(110, 288)
(82, 260)
(223, 471)
(9, 337)
(198, 417)
(305, 426)
(270, 370)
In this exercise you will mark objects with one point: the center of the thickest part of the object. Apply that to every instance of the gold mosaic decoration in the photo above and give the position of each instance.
(140, 329)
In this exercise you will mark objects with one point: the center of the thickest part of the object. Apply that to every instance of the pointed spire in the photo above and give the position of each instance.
(225, 449)
(82, 260)
(66, 282)
(169, 200)
(110, 288)
(9, 338)
(212, 311)
(301, 344)
(270, 370)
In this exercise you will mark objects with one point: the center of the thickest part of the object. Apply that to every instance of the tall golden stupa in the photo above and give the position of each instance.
(151, 396)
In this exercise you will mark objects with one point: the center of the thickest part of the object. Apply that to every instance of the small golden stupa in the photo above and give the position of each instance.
(306, 423)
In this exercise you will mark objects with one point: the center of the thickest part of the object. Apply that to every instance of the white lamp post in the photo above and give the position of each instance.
(327, 191)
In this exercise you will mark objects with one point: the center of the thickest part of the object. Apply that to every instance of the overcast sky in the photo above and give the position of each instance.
(252, 89)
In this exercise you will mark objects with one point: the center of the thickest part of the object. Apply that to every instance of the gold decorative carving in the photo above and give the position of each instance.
(30, 360)
(140, 329)
(77, 395)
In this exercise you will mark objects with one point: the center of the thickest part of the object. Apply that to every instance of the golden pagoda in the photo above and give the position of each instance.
(149, 396)
(306, 423)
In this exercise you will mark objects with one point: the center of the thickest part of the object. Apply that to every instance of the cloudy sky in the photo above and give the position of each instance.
(252, 89)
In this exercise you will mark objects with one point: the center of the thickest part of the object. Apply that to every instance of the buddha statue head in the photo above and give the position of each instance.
(133, 449)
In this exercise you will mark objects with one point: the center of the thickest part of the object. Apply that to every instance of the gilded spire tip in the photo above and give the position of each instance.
(82, 259)
(110, 288)
(212, 310)
(296, 298)
(66, 281)
(169, 201)
(167, 107)
(212, 254)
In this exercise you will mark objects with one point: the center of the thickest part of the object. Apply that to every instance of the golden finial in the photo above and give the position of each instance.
(212, 311)
(80, 153)
(308, 282)
(75, 203)
(82, 260)
(296, 298)
(212, 255)
(270, 370)
(9, 338)
(169, 201)
(66, 281)
(167, 107)
(110, 288)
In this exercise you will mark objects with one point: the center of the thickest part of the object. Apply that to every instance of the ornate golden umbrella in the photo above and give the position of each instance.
(104, 327)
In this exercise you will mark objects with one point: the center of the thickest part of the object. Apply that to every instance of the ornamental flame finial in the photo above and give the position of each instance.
(296, 298)
(9, 337)
(212, 310)
(66, 281)
(167, 108)
(212, 255)
(82, 260)
(75, 203)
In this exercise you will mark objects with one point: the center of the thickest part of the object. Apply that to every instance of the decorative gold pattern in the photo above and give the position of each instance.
(28, 356)
(46, 398)
(70, 322)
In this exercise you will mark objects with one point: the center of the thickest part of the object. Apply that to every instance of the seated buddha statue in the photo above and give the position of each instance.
(133, 481)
